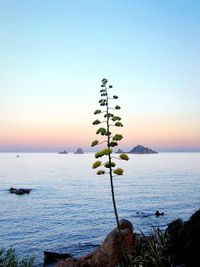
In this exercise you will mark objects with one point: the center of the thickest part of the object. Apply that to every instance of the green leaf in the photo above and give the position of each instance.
(117, 137)
(118, 171)
(94, 143)
(124, 157)
(96, 122)
(110, 86)
(96, 164)
(117, 107)
(98, 111)
(100, 172)
(109, 164)
(115, 96)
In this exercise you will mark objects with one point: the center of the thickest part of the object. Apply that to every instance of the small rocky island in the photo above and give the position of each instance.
(63, 152)
(139, 149)
(79, 151)
(119, 151)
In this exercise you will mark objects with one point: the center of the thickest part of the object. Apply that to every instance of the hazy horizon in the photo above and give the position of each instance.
(89, 149)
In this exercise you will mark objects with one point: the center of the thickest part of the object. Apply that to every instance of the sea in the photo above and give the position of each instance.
(70, 210)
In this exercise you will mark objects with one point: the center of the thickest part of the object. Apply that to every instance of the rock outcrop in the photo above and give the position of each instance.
(79, 151)
(139, 149)
(109, 254)
(19, 191)
(119, 151)
(185, 238)
(51, 257)
(63, 152)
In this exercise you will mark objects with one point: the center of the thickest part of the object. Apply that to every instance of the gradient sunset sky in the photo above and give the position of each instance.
(53, 55)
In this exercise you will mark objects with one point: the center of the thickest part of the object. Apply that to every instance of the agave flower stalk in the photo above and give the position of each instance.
(110, 120)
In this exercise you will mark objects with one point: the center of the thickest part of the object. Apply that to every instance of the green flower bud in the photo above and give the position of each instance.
(101, 131)
(98, 111)
(117, 137)
(117, 107)
(100, 172)
(112, 144)
(96, 164)
(94, 143)
(104, 81)
(108, 133)
(107, 151)
(108, 165)
(116, 118)
(119, 171)
(118, 124)
(96, 122)
(98, 154)
(124, 157)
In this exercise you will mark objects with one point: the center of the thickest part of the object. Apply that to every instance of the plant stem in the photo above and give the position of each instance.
(112, 186)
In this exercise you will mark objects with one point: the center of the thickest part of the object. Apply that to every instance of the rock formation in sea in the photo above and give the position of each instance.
(19, 191)
(79, 151)
(63, 152)
(119, 151)
(139, 149)
(109, 253)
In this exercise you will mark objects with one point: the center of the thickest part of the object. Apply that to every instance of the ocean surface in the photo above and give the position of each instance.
(70, 209)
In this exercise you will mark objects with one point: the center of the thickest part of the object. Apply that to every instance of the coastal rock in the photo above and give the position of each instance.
(139, 149)
(19, 191)
(50, 257)
(158, 213)
(79, 151)
(185, 237)
(109, 254)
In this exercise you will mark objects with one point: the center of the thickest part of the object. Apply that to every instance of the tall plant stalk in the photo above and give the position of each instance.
(112, 141)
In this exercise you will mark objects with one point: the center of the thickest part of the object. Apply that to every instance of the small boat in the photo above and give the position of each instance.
(17, 156)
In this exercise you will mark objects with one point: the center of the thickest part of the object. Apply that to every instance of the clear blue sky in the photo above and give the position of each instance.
(53, 55)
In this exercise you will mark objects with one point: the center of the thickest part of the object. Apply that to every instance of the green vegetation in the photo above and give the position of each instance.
(153, 250)
(8, 258)
(109, 120)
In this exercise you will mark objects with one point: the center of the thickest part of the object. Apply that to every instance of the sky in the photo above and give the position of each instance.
(54, 54)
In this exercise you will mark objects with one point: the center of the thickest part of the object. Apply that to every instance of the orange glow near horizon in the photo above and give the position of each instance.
(54, 134)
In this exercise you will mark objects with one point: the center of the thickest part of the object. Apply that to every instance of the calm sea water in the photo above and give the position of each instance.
(70, 208)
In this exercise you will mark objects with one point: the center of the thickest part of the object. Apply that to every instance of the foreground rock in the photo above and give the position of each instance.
(139, 149)
(109, 254)
(51, 257)
(185, 237)
(19, 191)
